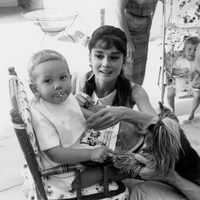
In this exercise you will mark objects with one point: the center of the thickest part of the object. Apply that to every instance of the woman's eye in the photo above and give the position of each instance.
(114, 57)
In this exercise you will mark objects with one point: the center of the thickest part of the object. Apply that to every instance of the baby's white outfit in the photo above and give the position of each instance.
(55, 125)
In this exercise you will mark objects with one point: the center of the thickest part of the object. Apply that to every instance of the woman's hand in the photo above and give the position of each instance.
(84, 100)
(148, 172)
(105, 118)
(130, 51)
(100, 154)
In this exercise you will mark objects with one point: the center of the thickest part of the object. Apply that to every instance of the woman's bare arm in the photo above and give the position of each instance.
(141, 98)
(189, 189)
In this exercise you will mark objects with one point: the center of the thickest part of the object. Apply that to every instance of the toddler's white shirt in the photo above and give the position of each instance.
(182, 63)
(57, 124)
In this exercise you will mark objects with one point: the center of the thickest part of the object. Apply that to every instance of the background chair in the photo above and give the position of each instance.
(21, 119)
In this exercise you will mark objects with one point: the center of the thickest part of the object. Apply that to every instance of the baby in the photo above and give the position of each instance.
(183, 68)
(57, 118)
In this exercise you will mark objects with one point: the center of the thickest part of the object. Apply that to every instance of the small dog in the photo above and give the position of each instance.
(166, 147)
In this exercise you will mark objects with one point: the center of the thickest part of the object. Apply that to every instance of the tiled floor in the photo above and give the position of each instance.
(19, 38)
(12, 193)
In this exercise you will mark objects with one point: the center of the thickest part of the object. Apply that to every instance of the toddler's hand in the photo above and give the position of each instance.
(185, 71)
(100, 154)
(84, 100)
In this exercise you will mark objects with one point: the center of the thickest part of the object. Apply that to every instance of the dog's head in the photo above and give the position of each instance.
(166, 112)
(163, 140)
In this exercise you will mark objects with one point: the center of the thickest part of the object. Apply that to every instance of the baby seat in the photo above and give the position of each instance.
(35, 176)
(180, 83)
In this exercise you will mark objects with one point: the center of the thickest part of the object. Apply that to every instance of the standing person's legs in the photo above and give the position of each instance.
(152, 190)
(139, 28)
(195, 103)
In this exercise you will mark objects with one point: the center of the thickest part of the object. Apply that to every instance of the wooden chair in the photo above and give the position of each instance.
(21, 119)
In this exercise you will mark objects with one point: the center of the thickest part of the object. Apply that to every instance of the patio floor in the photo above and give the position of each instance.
(19, 39)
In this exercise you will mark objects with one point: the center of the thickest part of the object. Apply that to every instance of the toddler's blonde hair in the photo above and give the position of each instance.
(43, 56)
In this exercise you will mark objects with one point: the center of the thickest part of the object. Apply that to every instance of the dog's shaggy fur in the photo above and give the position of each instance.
(167, 147)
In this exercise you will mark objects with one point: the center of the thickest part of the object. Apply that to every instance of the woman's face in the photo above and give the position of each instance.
(106, 63)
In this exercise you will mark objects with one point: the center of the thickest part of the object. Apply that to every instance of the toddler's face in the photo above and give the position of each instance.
(53, 81)
(190, 50)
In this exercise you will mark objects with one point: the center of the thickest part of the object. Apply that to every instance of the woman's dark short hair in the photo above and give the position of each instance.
(108, 36)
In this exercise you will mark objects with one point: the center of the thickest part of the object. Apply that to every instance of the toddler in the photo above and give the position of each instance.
(57, 118)
(182, 70)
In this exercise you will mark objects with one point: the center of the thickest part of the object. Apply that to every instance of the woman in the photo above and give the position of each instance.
(106, 85)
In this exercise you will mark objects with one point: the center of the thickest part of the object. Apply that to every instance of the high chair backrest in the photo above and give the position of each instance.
(20, 116)
(21, 119)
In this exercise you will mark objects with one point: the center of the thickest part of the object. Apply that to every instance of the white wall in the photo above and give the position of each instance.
(89, 10)
(7, 3)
